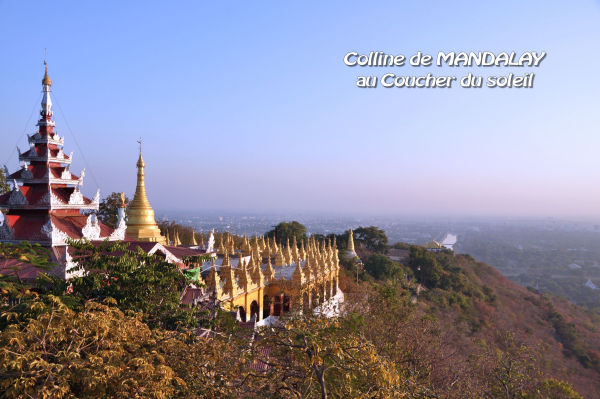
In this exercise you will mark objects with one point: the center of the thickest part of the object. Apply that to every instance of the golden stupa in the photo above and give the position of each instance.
(141, 225)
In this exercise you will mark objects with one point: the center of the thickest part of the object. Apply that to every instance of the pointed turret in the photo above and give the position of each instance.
(263, 244)
(193, 241)
(230, 286)
(176, 240)
(221, 248)
(302, 250)
(351, 243)
(298, 276)
(257, 275)
(213, 282)
(307, 270)
(279, 261)
(295, 252)
(231, 245)
(269, 272)
(288, 253)
(242, 274)
(141, 224)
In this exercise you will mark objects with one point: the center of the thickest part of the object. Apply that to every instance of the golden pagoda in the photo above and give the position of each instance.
(141, 225)
(351, 243)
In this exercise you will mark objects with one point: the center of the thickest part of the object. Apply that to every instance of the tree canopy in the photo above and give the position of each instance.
(4, 187)
(109, 208)
(288, 230)
(381, 267)
(139, 282)
(372, 238)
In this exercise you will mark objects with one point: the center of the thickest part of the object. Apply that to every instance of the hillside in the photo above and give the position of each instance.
(478, 313)
(429, 325)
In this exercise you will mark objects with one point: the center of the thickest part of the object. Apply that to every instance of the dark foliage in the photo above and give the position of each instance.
(108, 209)
(372, 238)
(288, 230)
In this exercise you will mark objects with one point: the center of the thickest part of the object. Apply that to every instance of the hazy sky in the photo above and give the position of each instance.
(250, 107)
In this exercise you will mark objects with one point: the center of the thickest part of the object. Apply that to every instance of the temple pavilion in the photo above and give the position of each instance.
(259, 279)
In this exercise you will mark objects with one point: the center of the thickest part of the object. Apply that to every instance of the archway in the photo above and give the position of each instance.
(286, 303)
(305, 303)
(266, 306)
(242, 313)
(277, 307)
(254, 311)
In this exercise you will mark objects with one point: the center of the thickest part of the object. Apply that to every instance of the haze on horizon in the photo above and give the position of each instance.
(252, 108)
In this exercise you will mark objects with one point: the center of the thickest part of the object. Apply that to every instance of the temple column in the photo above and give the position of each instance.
(272, 307)
(260, 303)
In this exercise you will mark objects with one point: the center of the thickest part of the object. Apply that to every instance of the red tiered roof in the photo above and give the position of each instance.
(42, 201)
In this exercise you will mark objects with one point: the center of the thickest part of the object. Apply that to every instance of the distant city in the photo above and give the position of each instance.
(551, 255)
(412, 230)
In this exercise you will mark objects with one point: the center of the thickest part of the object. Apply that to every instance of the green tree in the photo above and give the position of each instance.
(108, 209)
(137, 281)
(4, 187)
(372, 238)
(425, 267)
(381, 267)
(288, 230)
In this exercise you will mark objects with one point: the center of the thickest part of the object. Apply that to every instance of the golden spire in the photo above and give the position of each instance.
(46, 80)
(230, 285)
(167, 240)
(257, 275)
(288, 253)
(141, 225)
(251, 262)
(302, 250)
(279, 261)
(269, 272)
(307, 269)
(214, 282)
(231, 245)
(193, 241)
(263, 245)
(298, 276)
(242, 274)
(221, 245)
(225, 260)
(176, 240)
(295, 253)
(351, 241)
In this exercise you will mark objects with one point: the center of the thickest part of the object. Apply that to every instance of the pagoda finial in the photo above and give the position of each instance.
(46, 80)
(351, 241)
(140, 162)
(46, 113)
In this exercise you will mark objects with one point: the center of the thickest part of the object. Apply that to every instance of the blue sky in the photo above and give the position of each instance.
(250, 107)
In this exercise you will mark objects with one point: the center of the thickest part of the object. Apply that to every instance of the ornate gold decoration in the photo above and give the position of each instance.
(46, 80)
(141, 225)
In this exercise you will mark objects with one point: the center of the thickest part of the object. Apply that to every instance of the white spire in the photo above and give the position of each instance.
(46, 113)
